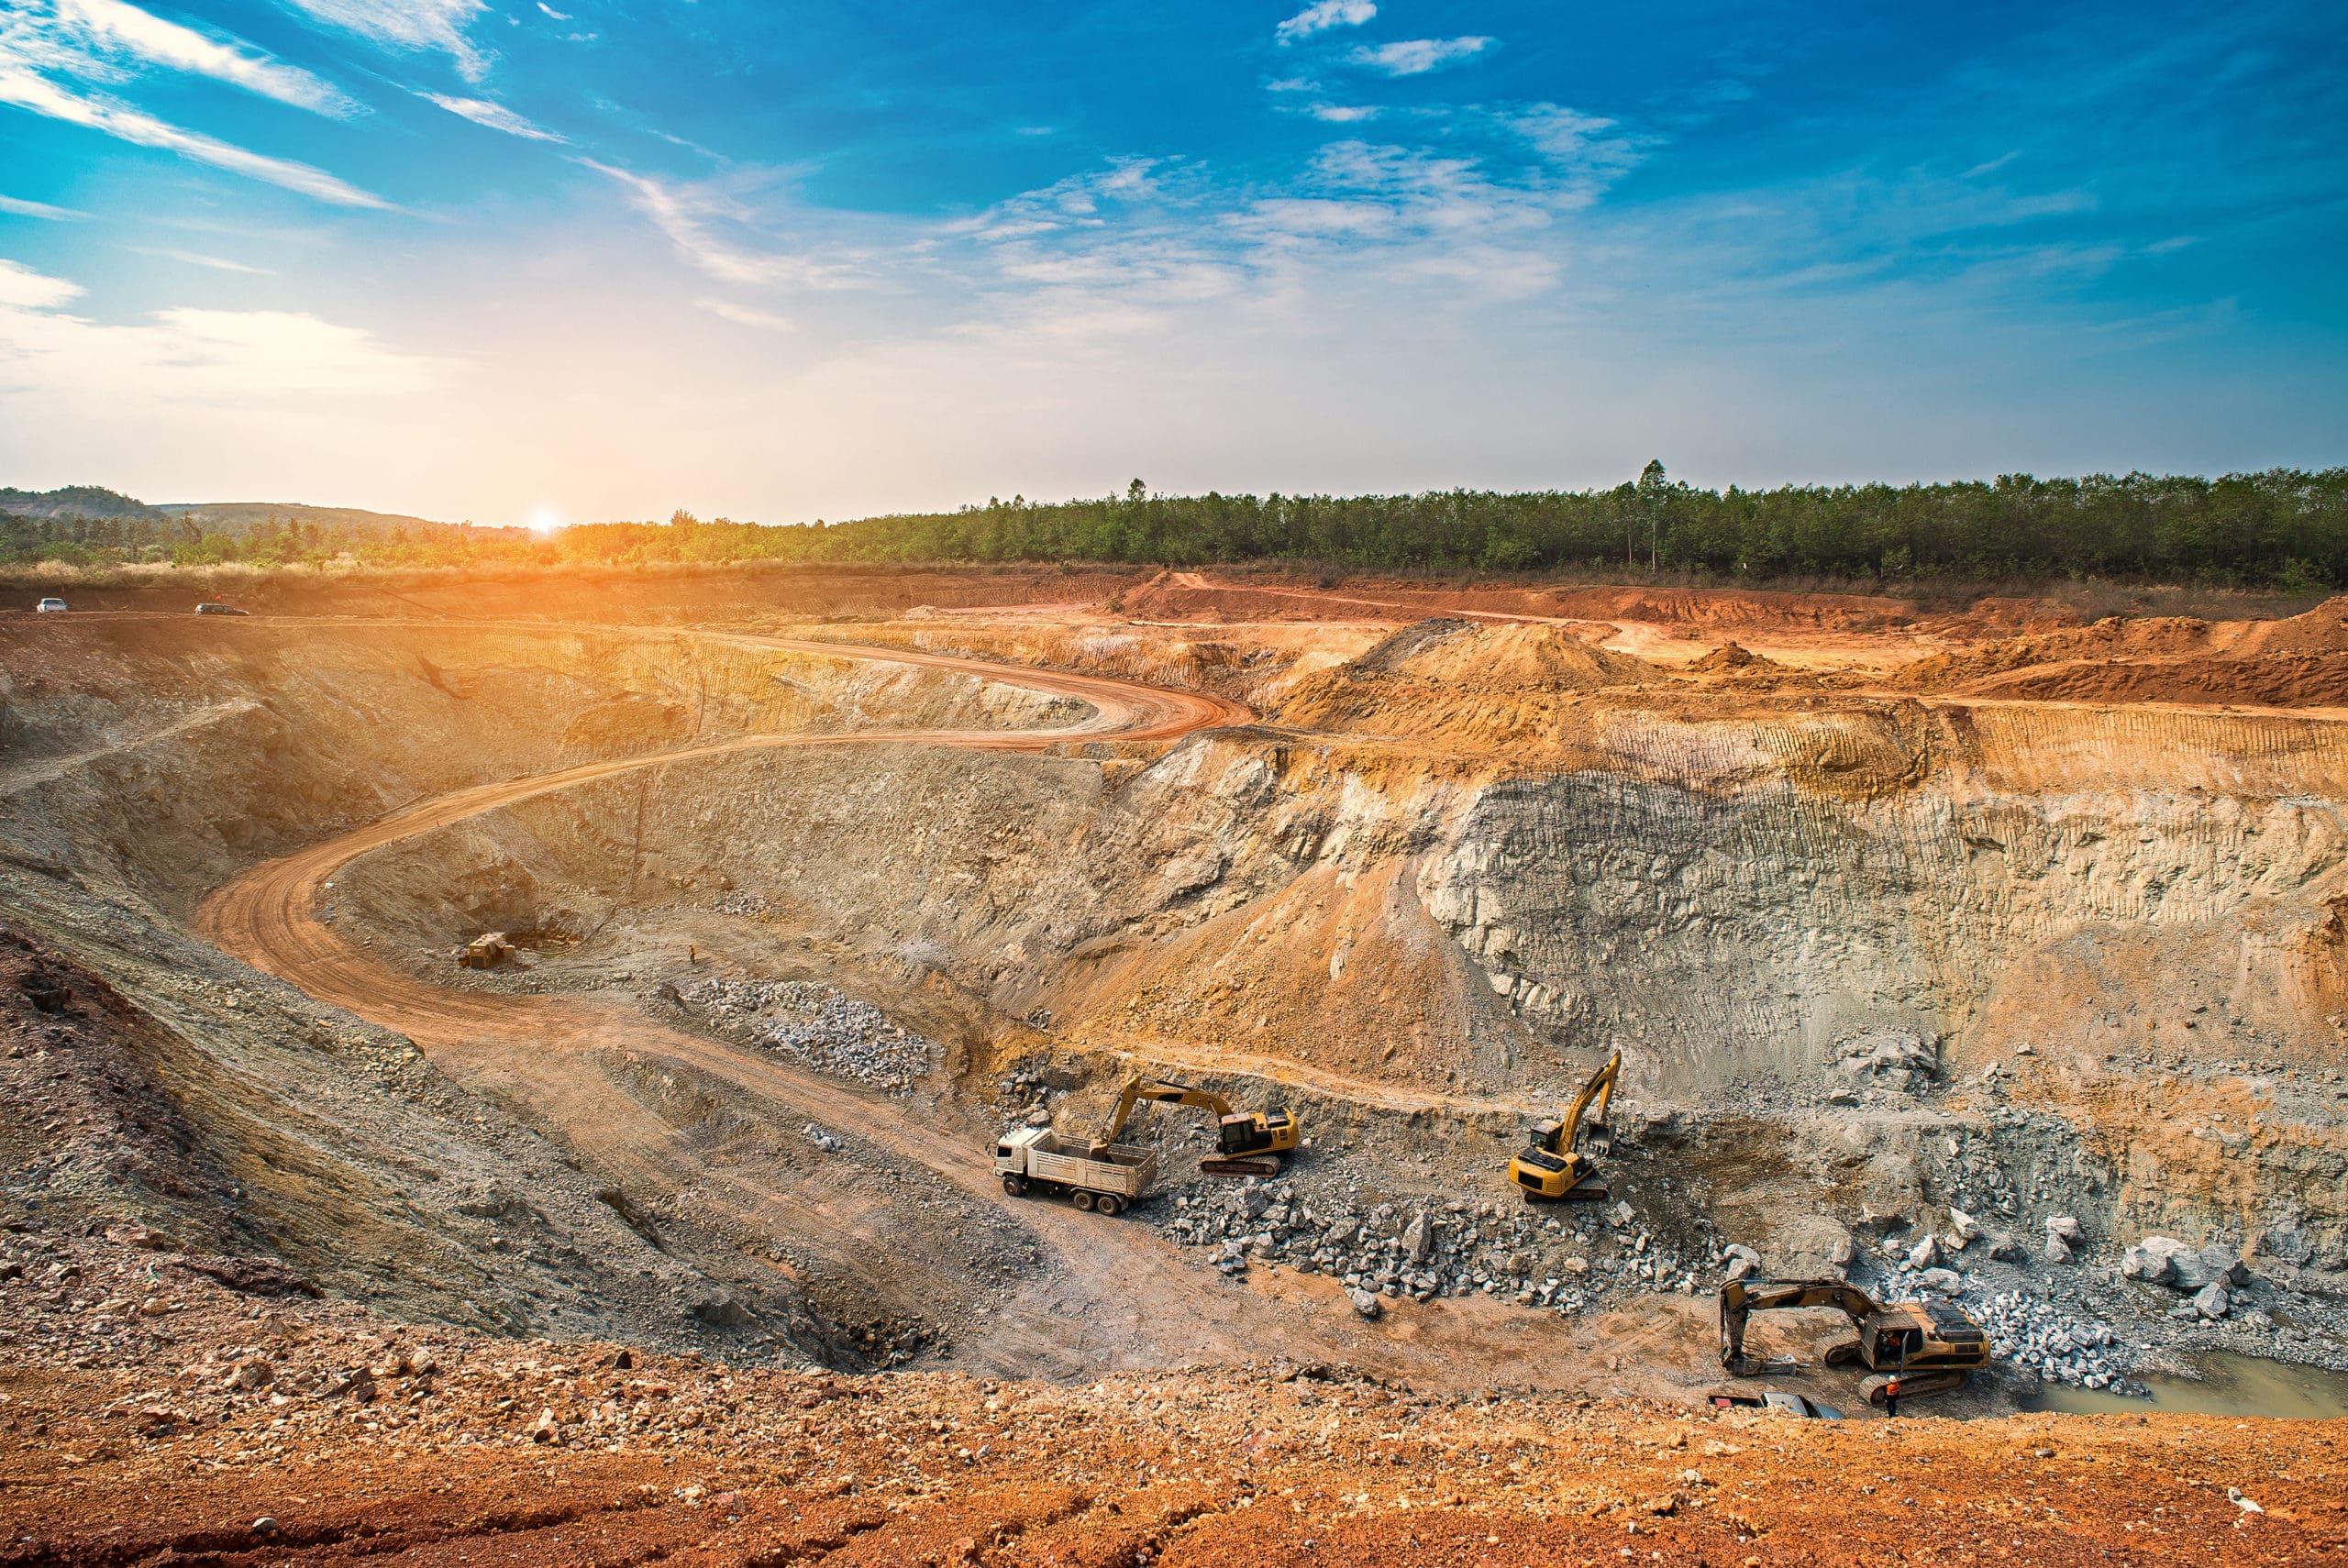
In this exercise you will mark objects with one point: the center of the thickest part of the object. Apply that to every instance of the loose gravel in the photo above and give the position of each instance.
(827, 1030)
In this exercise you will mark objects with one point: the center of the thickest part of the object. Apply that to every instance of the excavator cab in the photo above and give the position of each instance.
(1272, 1131)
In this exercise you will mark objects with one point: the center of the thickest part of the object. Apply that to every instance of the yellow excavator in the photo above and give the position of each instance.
(1561, 1160)
(1249, 1142)
(1931, 1347)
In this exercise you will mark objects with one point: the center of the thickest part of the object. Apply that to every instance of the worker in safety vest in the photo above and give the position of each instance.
(1891, 1398)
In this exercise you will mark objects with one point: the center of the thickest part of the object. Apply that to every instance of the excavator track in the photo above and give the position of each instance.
(1912, 1384)
(1264, 1165)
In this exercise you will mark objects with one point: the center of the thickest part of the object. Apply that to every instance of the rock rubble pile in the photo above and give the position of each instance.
(827, 1030)
(2028, 1330)
(1425, 1252)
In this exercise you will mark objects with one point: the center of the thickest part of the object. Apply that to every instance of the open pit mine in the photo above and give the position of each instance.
(1015, 1067)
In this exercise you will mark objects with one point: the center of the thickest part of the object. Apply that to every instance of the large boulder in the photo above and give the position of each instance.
(2153, 1260)
(2163, 1260)
(2223, 1263)
(1366, 1302)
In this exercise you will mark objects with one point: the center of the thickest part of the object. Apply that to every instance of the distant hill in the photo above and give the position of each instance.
(238, 517)
(74, 500)
(233, 519)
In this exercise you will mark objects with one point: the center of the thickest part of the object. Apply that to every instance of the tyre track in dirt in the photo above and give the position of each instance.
(1117, 1296)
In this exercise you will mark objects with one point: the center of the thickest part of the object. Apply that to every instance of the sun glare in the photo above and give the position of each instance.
(546, 520)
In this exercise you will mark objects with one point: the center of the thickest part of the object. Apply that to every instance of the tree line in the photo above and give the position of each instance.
(2283, 529)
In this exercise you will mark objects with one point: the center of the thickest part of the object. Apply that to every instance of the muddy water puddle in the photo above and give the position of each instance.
(2230, 1386)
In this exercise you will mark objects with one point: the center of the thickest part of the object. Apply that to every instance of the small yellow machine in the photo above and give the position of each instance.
(486, 951)
(1561, 1162)
(1249, 1142)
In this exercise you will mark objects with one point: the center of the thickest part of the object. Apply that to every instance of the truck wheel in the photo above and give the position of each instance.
(1084, 1201)
(1109, 1204)
(1016, 1185)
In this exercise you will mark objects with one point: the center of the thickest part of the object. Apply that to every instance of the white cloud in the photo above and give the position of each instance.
(210, 356)
(746, 315)
(23, 208)
(1321, 18)
(1415, 57)
(26, 90)
(438, 24)
(21, 287)
(1343, 114)
(497, 116)
(1315, 215)
(115, 27)
(558, 16)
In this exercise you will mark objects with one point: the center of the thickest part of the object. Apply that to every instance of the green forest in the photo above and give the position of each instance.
(2283, 529)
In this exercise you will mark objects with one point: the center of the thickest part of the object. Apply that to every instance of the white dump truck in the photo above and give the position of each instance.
(1106, 1178)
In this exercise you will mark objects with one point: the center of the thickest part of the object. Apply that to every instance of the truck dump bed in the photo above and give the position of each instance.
(1125, 1169)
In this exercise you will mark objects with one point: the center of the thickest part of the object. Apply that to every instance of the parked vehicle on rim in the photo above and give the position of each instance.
(50, 606)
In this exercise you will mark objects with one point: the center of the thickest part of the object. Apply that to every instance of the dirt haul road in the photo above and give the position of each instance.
(1118, 1297)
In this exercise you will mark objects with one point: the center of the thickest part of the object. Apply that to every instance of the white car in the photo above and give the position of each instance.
(51, 606)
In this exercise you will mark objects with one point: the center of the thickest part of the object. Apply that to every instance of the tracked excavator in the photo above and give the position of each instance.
(1561, 1160)
(1249, 1142)
(1929, 1348)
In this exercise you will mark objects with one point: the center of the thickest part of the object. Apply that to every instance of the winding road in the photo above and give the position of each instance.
(1116, 1295)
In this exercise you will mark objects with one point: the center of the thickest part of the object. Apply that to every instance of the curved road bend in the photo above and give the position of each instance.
(1121, 1298)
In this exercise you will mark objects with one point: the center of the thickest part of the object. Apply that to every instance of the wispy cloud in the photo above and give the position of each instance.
(497, 116)
(100, 29)
(23, 208)
(1586, 153)
(29, 91)
(1416, 56)
(1321, 18)
(746, 315)
(196, 258)
(689, 214)
(1343, 114)
(418, 25)
(558, 16)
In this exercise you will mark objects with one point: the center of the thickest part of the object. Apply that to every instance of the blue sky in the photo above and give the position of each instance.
(527, 260)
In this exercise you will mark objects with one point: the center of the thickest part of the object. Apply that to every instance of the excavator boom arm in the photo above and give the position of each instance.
(1600, 1088)
(1739, 1299)
(1138, 1089)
